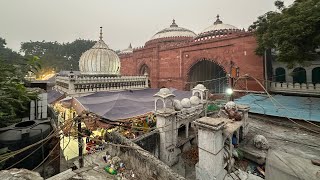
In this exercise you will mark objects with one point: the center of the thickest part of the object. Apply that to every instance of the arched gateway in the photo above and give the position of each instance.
(210, 74)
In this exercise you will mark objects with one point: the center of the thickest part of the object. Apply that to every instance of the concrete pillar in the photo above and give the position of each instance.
(309, 74)
(210, 144)
(166, 124)
(187, 130)
(167, 129)
(245, 111)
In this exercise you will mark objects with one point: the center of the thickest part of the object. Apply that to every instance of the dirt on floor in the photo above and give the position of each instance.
(284, 135)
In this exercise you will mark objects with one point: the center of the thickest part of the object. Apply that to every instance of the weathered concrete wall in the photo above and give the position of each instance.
(149, 142)
(144, 163)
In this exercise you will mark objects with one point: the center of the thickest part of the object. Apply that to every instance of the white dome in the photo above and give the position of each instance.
(173, 31)
(177, 105)
(100, 60)
(194, 100)
(218, 25)
(185, 102)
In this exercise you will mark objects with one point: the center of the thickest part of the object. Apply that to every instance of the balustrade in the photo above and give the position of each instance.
(296, 88)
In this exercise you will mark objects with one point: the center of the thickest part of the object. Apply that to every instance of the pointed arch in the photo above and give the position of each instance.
(280, 74)
(316, 75)
(144, 69)
(299, 75)
(209, 73)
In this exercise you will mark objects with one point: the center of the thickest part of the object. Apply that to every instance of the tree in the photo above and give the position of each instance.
(14, 96)
(7, 54)
(55, 55)
(293, 31)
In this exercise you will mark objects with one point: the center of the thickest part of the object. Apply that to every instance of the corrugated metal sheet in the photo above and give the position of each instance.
(307, 108)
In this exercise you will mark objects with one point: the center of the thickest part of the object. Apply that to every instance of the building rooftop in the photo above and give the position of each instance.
(173, 31)
(219, 25)
(295, 107)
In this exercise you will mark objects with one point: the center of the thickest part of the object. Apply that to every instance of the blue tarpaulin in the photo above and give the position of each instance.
(307, 108)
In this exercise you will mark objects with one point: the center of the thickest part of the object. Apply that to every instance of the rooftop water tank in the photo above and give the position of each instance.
(23, 134)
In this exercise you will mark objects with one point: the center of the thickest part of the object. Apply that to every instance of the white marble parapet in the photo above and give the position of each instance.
(296, 88)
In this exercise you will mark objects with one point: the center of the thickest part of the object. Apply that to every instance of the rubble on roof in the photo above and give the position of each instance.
(20, 174)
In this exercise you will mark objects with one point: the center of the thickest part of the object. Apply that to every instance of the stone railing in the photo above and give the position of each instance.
(295, 88)
(90, 84)
(94, 84)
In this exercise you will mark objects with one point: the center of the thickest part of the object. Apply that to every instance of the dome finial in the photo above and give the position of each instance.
(100, 33)
(71, 68)
(218, 21)
(173, 23)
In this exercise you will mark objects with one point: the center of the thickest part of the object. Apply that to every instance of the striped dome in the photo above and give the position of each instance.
(173, 31)
(99, 60)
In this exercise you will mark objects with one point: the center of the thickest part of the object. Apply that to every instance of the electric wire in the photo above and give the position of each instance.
(271, 99)
(28, 154)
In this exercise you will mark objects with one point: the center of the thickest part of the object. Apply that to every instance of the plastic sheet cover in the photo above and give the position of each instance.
(124, 104)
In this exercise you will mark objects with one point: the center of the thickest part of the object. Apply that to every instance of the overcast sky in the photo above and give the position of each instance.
(123, 21)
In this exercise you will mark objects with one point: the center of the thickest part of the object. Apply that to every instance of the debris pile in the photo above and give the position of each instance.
(230, 110)
(260, 142)
(115, 166)
(20, 174)
(191, 156)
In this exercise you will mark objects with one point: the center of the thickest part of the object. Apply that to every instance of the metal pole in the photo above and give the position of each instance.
(265, 70)
(80, 143)
(231, 80)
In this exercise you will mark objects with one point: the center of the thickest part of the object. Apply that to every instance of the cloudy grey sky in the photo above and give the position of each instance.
(124, 21)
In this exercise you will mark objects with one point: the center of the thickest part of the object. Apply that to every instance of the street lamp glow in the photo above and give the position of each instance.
(229, 91)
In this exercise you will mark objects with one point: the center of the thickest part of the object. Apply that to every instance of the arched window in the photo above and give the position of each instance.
(182, 131)
(144, 69)
(316, 75)
(280, 75)
(299, 75)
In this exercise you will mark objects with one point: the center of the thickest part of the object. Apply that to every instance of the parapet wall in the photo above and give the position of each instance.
(150, 142)
(148, 166)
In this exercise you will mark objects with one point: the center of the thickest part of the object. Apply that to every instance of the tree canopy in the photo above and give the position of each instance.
(57, 56)
(293, 31)
(14, 96)
(8, 55)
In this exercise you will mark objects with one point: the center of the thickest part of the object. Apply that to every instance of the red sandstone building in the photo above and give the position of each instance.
(177, 57)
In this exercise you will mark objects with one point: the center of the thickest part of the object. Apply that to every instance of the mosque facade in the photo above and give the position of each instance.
(179, 58)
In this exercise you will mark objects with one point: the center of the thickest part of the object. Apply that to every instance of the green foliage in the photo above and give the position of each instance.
(7, 55)
(14, 96)
(293, 31)
(57, 56)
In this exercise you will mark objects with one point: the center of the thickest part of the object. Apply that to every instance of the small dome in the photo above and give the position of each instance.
(164, 91)
(185, 102)
(173, 31)
(177, 105)
(200, 87)
(128, 50)
(194, 100)
(99, 60)
(219, 25)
